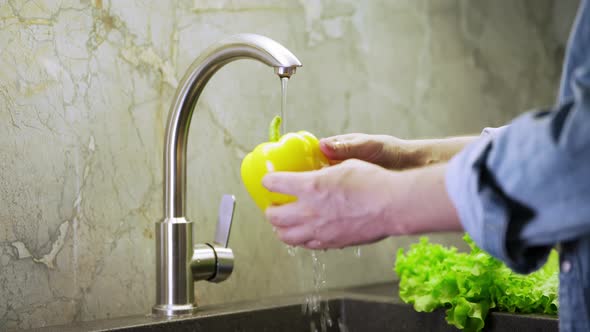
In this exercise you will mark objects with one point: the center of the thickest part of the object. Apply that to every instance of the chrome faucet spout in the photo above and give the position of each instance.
(243, 46)
(178, 263)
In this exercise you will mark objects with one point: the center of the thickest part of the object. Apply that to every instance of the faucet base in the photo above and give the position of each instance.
(174, 279)
(173, 310)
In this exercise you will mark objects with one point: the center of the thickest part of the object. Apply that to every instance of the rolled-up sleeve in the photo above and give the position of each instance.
(522, 189)
(493, 131)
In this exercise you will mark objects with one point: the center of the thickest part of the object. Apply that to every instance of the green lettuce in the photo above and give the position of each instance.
(469, 284)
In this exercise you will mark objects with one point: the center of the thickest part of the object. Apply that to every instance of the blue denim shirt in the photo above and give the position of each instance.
(525, 188)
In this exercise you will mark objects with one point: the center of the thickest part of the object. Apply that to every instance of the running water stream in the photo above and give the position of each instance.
(312, 305)
(284, 81)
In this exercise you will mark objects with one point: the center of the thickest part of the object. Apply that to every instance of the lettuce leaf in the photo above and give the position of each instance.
(469, 284)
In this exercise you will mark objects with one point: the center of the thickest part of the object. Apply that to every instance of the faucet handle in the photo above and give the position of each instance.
(214, 261)
(224, 219)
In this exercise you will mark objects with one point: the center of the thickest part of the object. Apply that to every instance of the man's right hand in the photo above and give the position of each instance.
(383, 150)
(391, 152)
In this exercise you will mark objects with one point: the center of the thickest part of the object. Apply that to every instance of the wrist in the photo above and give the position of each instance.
(397, 214)
(417, 153)
(426, 152)
(420, 203)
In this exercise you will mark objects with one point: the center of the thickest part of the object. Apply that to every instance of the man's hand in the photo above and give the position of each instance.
(356, 202)
(391, 152)
(337, 206)
(383, 150)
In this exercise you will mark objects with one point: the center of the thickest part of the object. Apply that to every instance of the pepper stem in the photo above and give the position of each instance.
(274, 130)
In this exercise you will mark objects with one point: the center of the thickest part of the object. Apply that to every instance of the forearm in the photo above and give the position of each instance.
(425, 152)
(423, 205)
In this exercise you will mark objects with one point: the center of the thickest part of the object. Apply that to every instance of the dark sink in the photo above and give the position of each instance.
(366, 309)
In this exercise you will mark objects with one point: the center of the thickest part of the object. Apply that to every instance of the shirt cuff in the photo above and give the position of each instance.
(483, 209)
(461, 185)
(493, 131)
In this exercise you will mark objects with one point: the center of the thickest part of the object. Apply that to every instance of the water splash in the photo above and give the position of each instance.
(292, 251)
(325, 319)
(342, 326)
(312, 301)
(313, 304)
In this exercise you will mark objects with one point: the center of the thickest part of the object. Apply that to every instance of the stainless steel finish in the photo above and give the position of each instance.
(215, 261)
(224, 263)
(242, 46)
(285, 71)
(225, 217)
(175, 291)
(204, 262)
(212, 262)
(175, 264)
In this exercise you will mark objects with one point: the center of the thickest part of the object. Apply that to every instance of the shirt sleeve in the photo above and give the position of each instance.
(493, 131)
(521, 190)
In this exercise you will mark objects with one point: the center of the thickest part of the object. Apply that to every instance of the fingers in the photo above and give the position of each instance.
(291, 183)
(347, 146)
(315, 245)
(295, 236)
(294, 224)
(288, 215)
(337, 147)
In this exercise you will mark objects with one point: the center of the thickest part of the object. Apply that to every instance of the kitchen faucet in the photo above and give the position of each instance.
(178, 263)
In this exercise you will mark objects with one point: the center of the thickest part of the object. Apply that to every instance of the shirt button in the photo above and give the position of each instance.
(566, 266)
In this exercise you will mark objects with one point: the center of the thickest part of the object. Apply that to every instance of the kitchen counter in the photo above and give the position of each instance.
(366, 308)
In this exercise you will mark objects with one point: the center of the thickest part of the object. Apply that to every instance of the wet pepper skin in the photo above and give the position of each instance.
(292, 152)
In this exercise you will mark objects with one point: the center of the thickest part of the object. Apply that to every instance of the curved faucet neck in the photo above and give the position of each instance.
(244, 46)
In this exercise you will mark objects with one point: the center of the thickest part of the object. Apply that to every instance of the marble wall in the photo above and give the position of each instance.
(85, 88)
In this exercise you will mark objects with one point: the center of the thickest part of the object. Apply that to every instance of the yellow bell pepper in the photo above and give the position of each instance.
(292, 152)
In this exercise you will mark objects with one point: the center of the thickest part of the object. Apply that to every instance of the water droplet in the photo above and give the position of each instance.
(292, 251)
(341, 326)
(312, 327)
